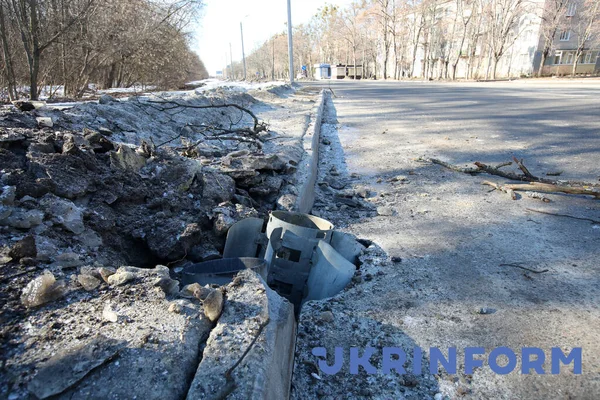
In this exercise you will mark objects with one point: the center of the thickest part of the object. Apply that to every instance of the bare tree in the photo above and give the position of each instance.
(400, 31)
(464, 12)
(504, 17)
(109, 42)
(7, 56)
(585, 26)
(33, 18)
(382, 10)
(552, 20)
(350, 21)
(418, 25)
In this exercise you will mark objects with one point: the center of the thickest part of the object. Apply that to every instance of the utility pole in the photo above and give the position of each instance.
(273, 66)
(243, 55)
(225, 72)
(231, 59)
(290, 44)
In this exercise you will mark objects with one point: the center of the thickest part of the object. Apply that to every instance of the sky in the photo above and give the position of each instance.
(220, 25)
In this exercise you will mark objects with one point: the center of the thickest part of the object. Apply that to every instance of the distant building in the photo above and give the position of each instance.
(322, 71)
(522, 57)
(341, 71)
(566, 41)
(338, 71)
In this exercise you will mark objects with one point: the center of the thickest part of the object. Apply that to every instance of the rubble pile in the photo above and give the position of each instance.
(79, 200)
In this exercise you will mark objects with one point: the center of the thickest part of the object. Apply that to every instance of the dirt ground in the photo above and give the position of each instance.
(440, 279)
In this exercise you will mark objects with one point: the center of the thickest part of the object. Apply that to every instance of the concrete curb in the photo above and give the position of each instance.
(257, 320)
(310, 162)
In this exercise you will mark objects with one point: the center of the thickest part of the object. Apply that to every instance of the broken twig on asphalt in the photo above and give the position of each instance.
(539, 196)
(535, 183)
(593, 221)
(452, 167)
(523, 168)
(550, 188)
(515, 265)
(496, 186)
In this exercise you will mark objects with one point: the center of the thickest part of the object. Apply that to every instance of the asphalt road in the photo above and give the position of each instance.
(455, 236)
(553, 125)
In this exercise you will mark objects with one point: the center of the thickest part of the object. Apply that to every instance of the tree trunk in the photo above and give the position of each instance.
(34, 69)
(575, 63)
(10, 74)
(110, 79)
(354, 60)
(363, 63)
(542, 62)
(414, 55)
(385, 60)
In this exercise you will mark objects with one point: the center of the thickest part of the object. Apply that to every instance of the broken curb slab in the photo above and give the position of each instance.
(142, 350)
(127, 159)
(255, 336)
(66, 368)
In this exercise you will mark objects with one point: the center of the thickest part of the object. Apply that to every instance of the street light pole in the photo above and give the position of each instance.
(243, 55)
(290, 44)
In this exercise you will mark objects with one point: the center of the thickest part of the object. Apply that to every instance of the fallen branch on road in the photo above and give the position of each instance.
(525, 170)
(539, 196)
(552, 188)
(515, 265)
(593, 221)
(535, 183)
(510, 188)
(452, 167)
(496, 186)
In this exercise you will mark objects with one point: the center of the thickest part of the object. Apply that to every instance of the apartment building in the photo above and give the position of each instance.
(566, 42)
(524, 44)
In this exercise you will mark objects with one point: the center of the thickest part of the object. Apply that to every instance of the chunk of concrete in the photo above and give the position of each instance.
(127, 159)
(213, 305)
(43, 289)
(64, 212)
(252, 310)
(107, 99)
(23, 248)
(44, 122)
(18, 218)
(8, 195)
